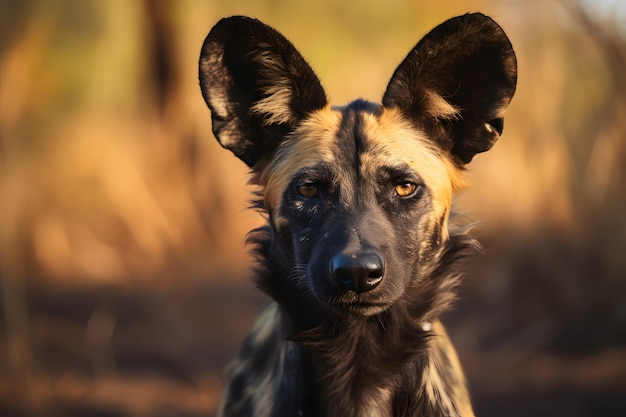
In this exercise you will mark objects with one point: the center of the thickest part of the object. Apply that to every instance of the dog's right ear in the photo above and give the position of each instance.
(257, 86)
(456, 84)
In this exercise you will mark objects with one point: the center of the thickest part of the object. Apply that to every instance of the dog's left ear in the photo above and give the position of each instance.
(456, 84)
(257, 86)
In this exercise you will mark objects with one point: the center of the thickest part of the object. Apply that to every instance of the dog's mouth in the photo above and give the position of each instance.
(354, 304)
(364, 309)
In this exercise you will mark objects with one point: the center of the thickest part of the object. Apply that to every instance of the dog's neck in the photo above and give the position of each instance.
(384, 368)
(360, 360)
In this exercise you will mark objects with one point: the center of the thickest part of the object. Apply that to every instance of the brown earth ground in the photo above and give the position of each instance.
(138, 351)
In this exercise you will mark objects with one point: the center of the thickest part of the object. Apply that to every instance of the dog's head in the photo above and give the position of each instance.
(358, 196)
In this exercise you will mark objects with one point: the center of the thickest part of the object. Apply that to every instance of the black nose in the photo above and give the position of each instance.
(357, 272)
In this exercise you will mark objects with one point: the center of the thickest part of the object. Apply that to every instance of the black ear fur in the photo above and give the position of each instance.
(456, 84)
(257, 86)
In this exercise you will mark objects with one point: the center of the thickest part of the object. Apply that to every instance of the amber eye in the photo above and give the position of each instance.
(406, 189)
(307, 190)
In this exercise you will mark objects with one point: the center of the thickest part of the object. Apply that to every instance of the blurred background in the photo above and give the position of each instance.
(124, 284)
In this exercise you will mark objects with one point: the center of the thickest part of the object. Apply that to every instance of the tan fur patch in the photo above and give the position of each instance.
(439, 108)
(275, 107)
(395, 139)
(311, 143)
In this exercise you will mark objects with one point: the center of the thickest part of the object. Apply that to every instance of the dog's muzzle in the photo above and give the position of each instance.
(358, 272)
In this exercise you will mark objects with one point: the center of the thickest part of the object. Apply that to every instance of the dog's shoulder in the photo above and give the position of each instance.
(255, 367)
(443, 379)
(263, 377)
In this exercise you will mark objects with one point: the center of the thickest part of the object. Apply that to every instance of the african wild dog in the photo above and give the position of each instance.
(357, 253)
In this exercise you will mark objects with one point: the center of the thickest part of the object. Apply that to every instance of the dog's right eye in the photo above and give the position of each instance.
(307, 190)
(406, 189)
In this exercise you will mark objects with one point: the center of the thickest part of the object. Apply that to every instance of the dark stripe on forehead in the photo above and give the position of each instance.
(351, 134)
(364, 106)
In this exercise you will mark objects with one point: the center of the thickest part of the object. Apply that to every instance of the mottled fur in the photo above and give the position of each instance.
(357, 253)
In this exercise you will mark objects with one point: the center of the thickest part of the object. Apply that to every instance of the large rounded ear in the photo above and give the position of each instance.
(257, 86)
(456, 84)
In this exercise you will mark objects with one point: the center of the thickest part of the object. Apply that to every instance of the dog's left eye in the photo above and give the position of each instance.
(307, 190)
(406, 189)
